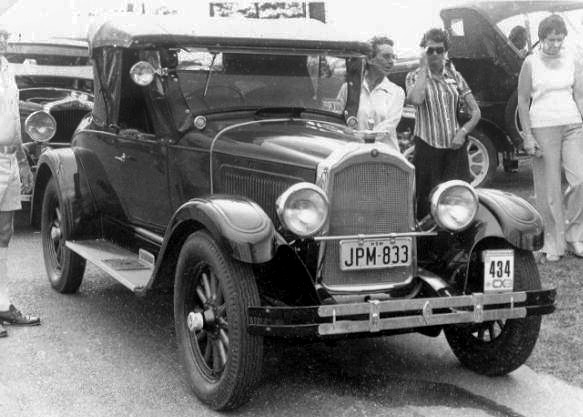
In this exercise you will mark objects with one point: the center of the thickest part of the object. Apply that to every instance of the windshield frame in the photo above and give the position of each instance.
(210, 72)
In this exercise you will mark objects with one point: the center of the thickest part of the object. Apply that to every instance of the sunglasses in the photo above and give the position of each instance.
(437, 50)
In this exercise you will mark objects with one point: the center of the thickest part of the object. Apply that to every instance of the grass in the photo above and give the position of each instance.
(559, 350)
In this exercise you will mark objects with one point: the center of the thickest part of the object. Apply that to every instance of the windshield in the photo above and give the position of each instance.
(531, 21)
(216, 81)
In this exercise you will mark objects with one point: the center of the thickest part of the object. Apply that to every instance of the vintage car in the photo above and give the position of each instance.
(218, 162)
(490, 63)
(53, 76)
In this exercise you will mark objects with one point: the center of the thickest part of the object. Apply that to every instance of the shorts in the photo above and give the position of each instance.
(9, 183)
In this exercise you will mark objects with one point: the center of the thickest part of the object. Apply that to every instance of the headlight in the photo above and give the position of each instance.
(303, 209)
(454, 205)
(40, 126)
(142, 73)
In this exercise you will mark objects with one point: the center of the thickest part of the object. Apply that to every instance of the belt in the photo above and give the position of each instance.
(8, 149)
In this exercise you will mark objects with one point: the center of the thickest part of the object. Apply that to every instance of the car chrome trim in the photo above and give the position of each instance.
(156, 238)
(376, 236)
(461, 309)
(435, 199)
(355, 154)
(366, 288)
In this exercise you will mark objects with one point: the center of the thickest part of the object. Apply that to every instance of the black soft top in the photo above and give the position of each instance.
(299, 35)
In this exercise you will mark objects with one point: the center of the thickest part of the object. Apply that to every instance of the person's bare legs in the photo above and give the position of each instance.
(5, 235)
(9, 313)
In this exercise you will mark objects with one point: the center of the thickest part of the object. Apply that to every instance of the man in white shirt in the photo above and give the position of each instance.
(13, 168)
(381, 101)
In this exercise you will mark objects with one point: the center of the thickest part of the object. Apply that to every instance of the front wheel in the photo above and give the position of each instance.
(498, 347)
(212, 293)
(64, 267)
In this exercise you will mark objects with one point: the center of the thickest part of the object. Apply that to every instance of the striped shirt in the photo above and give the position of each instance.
(436, 119)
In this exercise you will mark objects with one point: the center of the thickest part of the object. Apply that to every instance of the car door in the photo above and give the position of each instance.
(142, 185)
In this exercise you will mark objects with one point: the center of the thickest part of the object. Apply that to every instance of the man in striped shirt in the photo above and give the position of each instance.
(435, 89)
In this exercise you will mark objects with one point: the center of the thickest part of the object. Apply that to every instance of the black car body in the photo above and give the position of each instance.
(218, 161)
(481, 50)
(55, 77)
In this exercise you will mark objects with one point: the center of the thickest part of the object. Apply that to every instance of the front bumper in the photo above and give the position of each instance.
(397, 316)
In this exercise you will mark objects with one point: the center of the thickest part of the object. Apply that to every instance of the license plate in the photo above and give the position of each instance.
(374, 253)
(498, 270)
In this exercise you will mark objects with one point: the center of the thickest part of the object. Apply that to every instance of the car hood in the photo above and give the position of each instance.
(500, 10)
(287, 141)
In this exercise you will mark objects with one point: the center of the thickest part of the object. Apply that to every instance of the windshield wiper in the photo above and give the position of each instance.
(294, 111)
(208, 76)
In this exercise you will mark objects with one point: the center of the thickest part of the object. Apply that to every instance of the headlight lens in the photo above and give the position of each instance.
(40, 126)
(303, 209)
(454, 205)
(142, 73)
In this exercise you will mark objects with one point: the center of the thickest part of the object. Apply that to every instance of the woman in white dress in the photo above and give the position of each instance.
(550, 102)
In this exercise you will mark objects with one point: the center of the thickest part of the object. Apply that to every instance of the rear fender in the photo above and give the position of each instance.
(76, 199)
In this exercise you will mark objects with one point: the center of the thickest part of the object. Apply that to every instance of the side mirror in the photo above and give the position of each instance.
(142, 73)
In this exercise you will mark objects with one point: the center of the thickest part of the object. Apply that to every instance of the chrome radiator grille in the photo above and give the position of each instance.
(371, 195)
(67, 122)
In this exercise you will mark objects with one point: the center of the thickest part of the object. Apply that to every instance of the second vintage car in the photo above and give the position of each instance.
(53, 76)
(481, 50)
(217, 162)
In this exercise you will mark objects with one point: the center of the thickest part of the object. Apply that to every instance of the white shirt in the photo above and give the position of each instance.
(552, 91)
(9, 108)
(379, 109)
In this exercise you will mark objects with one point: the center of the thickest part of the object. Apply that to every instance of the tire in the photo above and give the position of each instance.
(510, 342)
(64, 267)
(222, 360)
(482, 158)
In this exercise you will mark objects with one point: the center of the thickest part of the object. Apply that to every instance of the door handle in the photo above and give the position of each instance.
(123, 158)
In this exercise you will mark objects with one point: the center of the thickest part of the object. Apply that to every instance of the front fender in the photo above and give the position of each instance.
(520, 222)
(238, 224)
(75, 196)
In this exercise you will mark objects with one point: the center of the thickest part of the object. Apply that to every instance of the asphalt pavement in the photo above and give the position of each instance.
(106, 352)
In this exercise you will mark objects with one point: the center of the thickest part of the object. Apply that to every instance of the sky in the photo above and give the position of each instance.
(402, 20)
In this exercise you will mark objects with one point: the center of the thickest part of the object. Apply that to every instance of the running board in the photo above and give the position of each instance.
(125, 266)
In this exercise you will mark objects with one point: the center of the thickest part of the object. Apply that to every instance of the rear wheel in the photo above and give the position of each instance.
(211, 295)
(498, 347)
(482, 158)
(64, 267)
